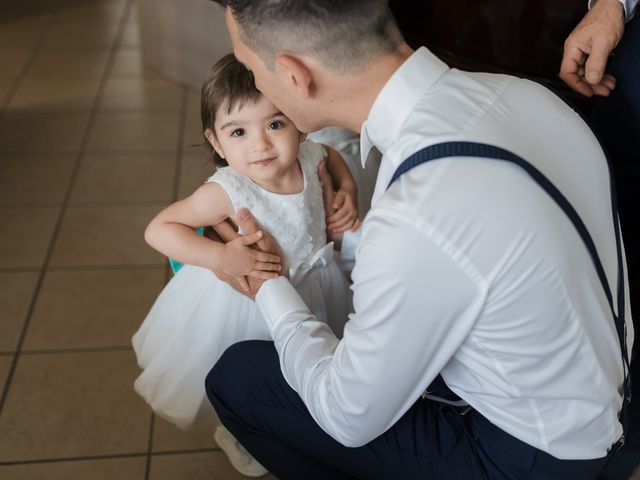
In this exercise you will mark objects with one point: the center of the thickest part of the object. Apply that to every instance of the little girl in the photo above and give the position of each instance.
(268, 168)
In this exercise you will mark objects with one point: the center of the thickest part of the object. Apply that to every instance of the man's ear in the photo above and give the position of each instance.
(295, 74)
(213, 141)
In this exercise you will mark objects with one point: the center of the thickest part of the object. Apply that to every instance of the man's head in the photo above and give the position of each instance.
(295, 48)
(343, 35)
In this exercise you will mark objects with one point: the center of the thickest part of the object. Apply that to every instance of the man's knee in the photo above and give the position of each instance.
(229, 381)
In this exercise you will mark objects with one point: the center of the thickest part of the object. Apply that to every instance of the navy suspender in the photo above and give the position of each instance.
(470, 149)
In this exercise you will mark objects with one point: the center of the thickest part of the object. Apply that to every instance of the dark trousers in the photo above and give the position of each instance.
(430, 441)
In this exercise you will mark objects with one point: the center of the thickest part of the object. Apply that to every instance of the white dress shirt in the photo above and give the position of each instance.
(467, 267)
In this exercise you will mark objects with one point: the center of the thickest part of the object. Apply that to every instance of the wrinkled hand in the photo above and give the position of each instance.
(587, 49)
(248, 285)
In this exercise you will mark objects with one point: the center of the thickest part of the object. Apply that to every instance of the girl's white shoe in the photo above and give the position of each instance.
(241, 460)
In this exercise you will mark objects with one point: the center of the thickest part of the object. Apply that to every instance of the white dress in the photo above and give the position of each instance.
(196, 317)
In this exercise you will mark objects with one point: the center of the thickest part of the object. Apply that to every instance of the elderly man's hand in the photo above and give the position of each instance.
(244, 219)
(587, 49)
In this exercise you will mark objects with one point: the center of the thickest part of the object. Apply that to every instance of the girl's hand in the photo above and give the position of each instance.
(241, 260)
(345, 215)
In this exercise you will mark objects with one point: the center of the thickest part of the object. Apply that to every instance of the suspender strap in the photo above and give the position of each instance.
(470, 149)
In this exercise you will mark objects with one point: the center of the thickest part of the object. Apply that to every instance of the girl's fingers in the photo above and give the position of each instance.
(251, 238)
(343, 223)
(339, 215)
(339, 200)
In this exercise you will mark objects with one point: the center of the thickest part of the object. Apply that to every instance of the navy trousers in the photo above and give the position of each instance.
(431, 441)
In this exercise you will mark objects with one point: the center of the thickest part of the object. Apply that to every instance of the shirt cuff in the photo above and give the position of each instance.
(350, 242)
(277, 299)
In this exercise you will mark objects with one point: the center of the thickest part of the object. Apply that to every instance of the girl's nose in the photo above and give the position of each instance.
(262, 142)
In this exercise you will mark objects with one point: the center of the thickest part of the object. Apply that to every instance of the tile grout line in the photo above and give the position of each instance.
(83, 146)
(107, 457)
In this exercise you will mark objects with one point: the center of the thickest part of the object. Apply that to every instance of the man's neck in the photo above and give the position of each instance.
(354, 94)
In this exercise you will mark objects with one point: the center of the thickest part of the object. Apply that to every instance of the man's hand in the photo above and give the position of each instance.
(247, 285)
(587, 49)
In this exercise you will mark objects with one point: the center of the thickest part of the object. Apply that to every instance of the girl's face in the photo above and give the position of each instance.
(256, 140)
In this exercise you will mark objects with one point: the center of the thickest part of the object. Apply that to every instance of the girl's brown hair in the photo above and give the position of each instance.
(229, 85)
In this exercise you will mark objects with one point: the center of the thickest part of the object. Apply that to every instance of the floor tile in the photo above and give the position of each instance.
(55, 93)
(85, 33)
(69, 62)
(107, 11)
(168, 438)
(6, 84)
(26, 235)
(131, 34)
(35, 179)
(110, 235)
(195, 466)
(35, 132)
(107, 469)
(22, 32)
(192, 132)
(5, 365)
(69, 405)
(16, 293)
(125, 178)
(194, 170)
(14, 60)
(90, 309)
(128, 61)
(141, 93)
(134, 131)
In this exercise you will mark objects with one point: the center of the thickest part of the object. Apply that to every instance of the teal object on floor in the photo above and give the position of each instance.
(176, 265)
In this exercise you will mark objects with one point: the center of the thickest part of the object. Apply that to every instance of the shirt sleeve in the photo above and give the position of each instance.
(414, 306)
(629, 7)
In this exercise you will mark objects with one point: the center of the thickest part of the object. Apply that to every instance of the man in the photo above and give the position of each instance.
(465, 268)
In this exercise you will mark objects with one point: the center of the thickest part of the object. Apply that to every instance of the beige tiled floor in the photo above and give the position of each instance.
(92, 144)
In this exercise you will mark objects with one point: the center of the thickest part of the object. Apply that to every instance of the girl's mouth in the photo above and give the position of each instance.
(264, 162)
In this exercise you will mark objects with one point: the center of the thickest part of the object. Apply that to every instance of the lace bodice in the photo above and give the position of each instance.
(296, 221)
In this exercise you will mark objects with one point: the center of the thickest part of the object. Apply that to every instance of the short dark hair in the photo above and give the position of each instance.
(229, 85)
(342, 34)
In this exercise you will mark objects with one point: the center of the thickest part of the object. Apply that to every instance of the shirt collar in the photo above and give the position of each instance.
(397, 98)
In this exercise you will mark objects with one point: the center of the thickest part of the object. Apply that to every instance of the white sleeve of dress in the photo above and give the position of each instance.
(414, 306)
(629, 7)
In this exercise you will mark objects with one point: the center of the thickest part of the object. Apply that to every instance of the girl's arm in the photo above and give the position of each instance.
(172, 233)
(345, 201)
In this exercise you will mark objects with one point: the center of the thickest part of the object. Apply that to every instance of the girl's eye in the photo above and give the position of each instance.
(238, 132)
(276, 124)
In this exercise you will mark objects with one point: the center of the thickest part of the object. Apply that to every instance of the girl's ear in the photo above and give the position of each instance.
(295, 74)
(213, 141)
